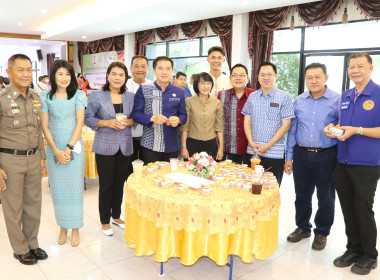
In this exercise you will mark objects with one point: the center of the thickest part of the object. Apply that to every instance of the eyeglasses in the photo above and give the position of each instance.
(205, 83)
(241, 76)
(267, 75)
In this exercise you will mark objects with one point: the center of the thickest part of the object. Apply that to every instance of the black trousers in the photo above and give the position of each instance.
(152, 156)
(112, 172)
(137, 153)
(277, 165)
(310, 172)
(356, 187)
(198, 146)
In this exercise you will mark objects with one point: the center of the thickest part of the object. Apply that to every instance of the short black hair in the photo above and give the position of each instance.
(139, 56)
(40, 78)
(109, 69)
(180, 74)
(6, 81)
(266, 63)
(73, 86)
(216, 49)
(159, 58)
(1, 80)
(239, 65)
(363, 54)
(316, 65)
(205, 77)
(12, 59)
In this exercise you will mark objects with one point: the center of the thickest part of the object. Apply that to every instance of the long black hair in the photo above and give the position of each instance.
(121, 65)
(73, 86)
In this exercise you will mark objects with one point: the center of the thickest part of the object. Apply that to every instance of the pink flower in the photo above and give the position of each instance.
(199, 166)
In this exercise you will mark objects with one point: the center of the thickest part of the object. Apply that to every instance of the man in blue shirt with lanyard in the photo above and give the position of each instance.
(312, 156)
(161, 108)
(358, 168)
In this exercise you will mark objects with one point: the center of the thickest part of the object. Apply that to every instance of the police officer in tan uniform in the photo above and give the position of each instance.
(21, 161)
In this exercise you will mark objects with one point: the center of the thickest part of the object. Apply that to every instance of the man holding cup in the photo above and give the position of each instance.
(358, 169)
(160, 108)
(311, 156)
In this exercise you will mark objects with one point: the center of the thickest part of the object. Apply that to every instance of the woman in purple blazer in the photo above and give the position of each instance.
(113, 141)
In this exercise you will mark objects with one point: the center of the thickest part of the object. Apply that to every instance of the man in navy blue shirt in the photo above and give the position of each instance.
(358, 168)
(311, 155)
(160, 108)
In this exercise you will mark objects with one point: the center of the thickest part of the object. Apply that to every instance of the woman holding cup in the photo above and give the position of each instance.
(108, 114)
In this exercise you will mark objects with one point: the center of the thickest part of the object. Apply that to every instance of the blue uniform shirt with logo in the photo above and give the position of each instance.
(365, 112)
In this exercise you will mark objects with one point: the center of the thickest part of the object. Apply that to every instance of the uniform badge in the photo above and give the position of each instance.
(9, 97)
(15, 111)
(174, 95)
(15, 93)
(35, 101)
(368, 105)
(16, 122)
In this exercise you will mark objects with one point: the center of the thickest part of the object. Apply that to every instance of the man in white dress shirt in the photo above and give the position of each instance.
(41, 86)
(139, 69)
(216, 58)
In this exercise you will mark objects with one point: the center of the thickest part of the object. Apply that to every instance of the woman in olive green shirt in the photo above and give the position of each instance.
(203, 130)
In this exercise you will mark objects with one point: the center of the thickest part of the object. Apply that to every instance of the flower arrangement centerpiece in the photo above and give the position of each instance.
(202, 165)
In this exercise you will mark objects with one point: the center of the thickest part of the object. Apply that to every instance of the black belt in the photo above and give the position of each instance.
(316, 150)
(28, 152)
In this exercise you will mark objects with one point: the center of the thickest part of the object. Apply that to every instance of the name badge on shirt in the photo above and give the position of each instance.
(345, 105)
(272, 104)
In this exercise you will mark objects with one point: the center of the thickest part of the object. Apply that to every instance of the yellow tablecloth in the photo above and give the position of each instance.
(90, 170)
(189, 225)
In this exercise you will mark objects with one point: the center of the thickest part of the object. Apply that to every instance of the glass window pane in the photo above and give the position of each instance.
(343, 36)
(150, 75)
(288, 72)
(184, 48)
(154, 50)
(335, 67)
(287, 40)
(210, 42)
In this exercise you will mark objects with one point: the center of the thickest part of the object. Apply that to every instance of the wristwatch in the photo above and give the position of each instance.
(359, 131)
(183, 146)
(71, 147)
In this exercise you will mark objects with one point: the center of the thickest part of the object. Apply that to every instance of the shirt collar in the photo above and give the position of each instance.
(367, 90)
(245, 94)
(15, 93)
(327, 93)
(269, 93)
(158, 87)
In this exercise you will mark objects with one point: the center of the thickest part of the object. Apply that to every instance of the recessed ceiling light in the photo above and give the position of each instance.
(84, 37)
(43, 11)
(19, 23)
(244, 2)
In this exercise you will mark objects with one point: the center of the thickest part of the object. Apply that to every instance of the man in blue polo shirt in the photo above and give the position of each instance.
(358, 168)
(312, 156)
(160, 107)
(268, 113)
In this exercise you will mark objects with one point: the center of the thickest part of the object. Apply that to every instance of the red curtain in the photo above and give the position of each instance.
(192, 29)
(260, 37)
(118, 42)
(318, 13)
(106, 44)
(222, 26)
(142, 39)
(50, 60)
(371, 8)
(165, 33)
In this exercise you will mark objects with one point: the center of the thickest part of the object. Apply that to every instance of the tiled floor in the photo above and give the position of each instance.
(101, 257)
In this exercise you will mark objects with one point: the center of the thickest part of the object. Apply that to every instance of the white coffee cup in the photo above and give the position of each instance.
(259, 169)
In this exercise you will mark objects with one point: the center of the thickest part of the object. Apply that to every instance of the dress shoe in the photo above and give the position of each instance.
(297, 235)
(39, 254)
(119, 225)
(348, 258)
(319, 242)
(27, 258)
(364, 265)
(75, 240)
(62, 236)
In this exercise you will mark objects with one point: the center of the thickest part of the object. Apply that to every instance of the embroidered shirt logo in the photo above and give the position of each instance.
(368, 105)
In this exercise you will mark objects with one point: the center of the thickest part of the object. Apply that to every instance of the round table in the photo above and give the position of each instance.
(189, 225)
